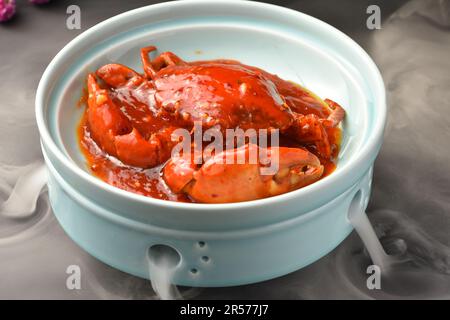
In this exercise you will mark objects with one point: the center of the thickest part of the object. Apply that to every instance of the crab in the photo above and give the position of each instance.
(132, 116)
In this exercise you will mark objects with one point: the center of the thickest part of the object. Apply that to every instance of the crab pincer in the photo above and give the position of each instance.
(104, 118)
(219, 181)
(114, 132)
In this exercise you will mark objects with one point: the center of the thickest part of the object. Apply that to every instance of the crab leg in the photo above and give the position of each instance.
(311, 128)
(163, 60)
(116, 75)
(219, 182)
(114, 132)
(336, 116)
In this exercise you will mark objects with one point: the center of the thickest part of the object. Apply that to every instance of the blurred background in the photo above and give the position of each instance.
(410, 204)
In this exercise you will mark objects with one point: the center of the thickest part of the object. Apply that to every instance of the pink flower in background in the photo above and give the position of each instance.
(7, 9)
(39, 1)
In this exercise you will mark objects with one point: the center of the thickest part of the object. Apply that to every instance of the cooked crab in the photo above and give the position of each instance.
(133, 116)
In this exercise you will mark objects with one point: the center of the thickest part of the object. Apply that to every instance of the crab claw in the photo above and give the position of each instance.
(114, 133)
(105, 120)
(219, 181)
(116, 75)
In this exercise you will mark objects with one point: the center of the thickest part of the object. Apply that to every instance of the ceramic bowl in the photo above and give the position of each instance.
(213, 244)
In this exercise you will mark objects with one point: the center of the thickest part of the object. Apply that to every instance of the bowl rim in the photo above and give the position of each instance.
(364, 153)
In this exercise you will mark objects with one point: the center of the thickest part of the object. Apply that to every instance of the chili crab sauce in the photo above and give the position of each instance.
(137, 107)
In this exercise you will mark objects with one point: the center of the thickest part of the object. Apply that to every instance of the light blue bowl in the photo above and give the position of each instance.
(244, 242)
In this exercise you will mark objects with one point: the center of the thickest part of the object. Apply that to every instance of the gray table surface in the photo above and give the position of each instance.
(410, 204)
